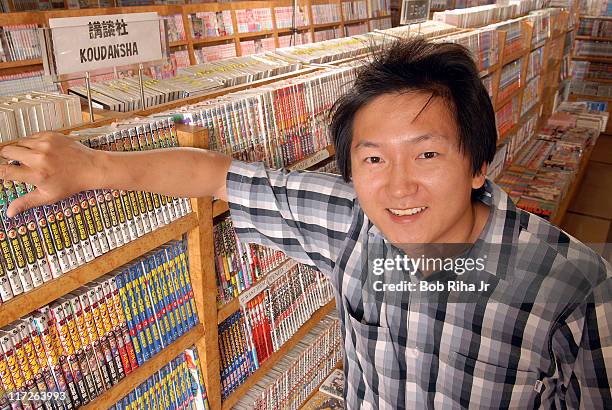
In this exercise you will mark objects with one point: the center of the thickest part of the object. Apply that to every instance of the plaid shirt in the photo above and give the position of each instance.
(541, 337)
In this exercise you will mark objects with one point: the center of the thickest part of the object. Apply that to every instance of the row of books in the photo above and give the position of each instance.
(218, 52)
(175, 30)
(333, 50)
(124, 94)
(90, 339)
(510, 79)
(280, 123)
(254, 20)
(355, 10)
(240, 266)
(515, 40)
(325, 13)
(177, 385)
(322, 399)
(427, 29)
(587, 70)
(271, 312)
(240, 70)
(19, 83)
(477, 16)
(205, 24)
(356, 29)
(296, 376)
(284, 17)
(257, 46)
(47, 241)
(26, 114)
(483, 44)
(595, 28)
(591, 88)
(535, 63)
(19, 42)
(381, 24)
(585, 48)
(531, 94)
(507, 116)
(327, 34)
(379, 8)
(596, 7)
(303, 37)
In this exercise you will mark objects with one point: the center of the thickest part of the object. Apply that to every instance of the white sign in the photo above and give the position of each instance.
(93, 42)
(414, 11)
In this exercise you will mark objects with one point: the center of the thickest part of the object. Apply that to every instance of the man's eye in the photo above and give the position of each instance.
(429, 155)
(373, 160)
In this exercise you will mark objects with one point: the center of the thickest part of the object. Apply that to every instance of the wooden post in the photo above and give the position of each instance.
(203, 277)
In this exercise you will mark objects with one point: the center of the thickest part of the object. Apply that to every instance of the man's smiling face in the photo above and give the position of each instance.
(411, 179)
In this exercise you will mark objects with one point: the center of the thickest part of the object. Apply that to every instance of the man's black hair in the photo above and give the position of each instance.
(443, 70)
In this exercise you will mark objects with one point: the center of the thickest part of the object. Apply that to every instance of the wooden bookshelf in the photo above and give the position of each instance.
(276, 356)
(148, 369)
(41, 18)
(25, 303)
(21, 63)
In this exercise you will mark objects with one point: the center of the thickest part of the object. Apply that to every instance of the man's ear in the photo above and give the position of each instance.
(478, 179)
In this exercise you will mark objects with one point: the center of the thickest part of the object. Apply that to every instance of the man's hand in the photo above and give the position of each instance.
(60, 166)
(57, 165)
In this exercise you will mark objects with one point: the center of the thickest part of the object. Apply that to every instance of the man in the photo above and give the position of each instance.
(526, 325)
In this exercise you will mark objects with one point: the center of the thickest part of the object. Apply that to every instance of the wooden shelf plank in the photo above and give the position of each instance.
(598, 80)
(178, 43)
(594, 59)
(219, 207)
(21, 63)
(276, 356)
(591, 38)
(256, 34)
(326, 25)
(227, 310)
(149, 368)
(288, 30)
(591, 97)
(356, 21)
(500, 103)
(513, 56)
(582, 16)
(208, 40)
(26, 303)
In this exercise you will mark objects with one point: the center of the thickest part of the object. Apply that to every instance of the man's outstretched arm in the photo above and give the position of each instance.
(60, 166)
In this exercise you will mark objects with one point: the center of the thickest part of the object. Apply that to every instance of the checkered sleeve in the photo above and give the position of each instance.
(588, 341)
(307, 215)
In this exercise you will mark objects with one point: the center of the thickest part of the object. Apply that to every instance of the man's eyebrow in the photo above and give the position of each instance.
(414, 140)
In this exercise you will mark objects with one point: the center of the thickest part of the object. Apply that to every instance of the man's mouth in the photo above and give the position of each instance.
(407, 211)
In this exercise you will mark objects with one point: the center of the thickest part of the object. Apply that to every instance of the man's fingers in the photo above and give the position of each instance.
(18, 153)
(25, 202)
(20, 173)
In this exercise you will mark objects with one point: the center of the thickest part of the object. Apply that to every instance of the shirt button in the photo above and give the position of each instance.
(413, 352)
